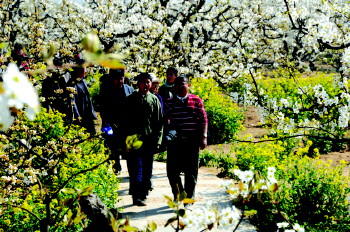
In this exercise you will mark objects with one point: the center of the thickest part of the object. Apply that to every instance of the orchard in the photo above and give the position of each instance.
(290, 59)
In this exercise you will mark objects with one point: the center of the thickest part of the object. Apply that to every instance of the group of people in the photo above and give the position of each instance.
(162, 116)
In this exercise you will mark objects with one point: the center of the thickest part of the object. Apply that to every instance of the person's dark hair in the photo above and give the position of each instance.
(18, 46)
(117, 72)
(181, 78)
(57, 61)
(142, 76)
(173, 70)
(79, 61)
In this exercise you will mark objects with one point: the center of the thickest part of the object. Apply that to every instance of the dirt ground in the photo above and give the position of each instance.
(251, 124)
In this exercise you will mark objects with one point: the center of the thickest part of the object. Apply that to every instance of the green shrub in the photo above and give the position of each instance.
(225, 117)
(48, 157)
(207, 159)
(226, 163)
(260, 155)
(292, 105)
(311, 193)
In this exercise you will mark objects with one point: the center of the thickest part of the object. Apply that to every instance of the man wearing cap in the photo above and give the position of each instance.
(143, 117)
(113, 93)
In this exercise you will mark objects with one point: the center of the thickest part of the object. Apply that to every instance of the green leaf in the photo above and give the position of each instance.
(114, 223)
(122, 221)
(86, 191)
(69, 216)
(258, 186)
(170, 220)
(168, 198)
(91, 42)
(251, 212)
(188, 201)
(130, 140)
(152, 226)
(273, 187)
(284, 215)
(108, 63)
(181, 212)
(182, 196)
(172, 204)
(3, 45)
(240, 186)
(137, 144)
(231, 191)
(68, 201)
(69, 191)
(130, 228)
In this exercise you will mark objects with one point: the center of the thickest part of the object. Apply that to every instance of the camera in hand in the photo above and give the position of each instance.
(171, 136)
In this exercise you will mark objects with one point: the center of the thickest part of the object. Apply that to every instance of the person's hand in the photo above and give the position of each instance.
(203, 142)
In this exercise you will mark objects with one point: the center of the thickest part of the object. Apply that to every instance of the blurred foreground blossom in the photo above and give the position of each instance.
(17, 92)
(5, 117)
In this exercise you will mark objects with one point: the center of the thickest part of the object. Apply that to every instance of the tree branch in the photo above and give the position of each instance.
(326, 45)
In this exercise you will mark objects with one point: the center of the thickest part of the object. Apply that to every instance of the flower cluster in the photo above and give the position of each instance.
(207, 216)
(249, 183)
(283, 226)
(17, 92)
(151, 27)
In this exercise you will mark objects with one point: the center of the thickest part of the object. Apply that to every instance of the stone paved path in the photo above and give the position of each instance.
(157, 210)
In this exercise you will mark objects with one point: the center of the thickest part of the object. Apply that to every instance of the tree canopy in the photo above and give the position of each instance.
(222, 39)
(225, 39)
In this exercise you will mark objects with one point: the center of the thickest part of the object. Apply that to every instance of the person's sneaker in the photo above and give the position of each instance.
(139, 202)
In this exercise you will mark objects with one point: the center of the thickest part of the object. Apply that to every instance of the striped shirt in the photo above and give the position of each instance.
(187, 117)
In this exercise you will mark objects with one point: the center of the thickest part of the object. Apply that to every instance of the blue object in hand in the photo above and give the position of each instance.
(107, 129)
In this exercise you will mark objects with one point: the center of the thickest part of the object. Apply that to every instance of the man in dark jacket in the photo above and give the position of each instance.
(83, 110)
(113, 93)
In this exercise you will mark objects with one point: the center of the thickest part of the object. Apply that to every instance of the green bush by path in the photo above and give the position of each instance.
(299, 90)
(311, 192)
(293, 103)
(284, 83)
(225, 117)
(52, 163)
